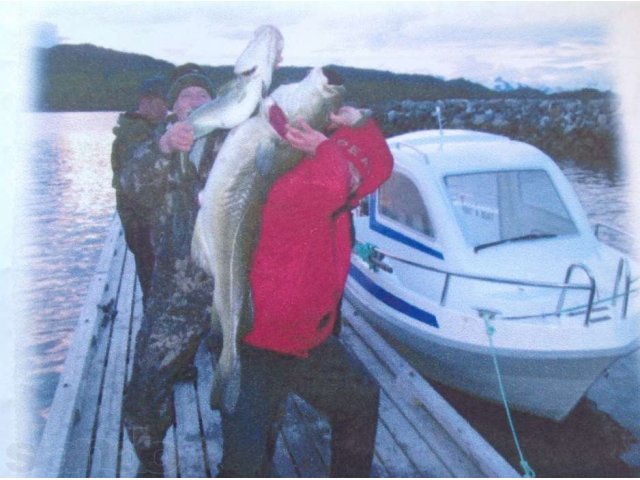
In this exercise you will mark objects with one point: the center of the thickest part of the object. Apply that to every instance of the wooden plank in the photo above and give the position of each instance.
(425, 461)
(395, 461)
(316, 426)
(51, 451)
(408, 381)
(378, 469)
(128, 465)
(319, 432)
(421, 461)
(191, 460)
(170, 455)
(307, 459)
(210, 419)
(129, 462)
(390, 419)
(415, 424)
(282, 461)
(81, 438)
(107, 440)
(415, 431)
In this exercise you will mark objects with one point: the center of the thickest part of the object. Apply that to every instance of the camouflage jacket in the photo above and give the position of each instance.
(131, 131)
(167, 187)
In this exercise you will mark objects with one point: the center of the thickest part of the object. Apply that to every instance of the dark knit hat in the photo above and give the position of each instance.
(188, 75)
(152, 87)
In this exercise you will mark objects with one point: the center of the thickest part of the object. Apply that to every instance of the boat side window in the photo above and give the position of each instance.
(497, 206)
(399, 200)
(363, 206)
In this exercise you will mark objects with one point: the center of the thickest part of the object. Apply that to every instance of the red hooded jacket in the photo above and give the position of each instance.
(301, 263)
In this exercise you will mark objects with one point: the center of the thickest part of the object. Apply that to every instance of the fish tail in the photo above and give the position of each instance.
(222, 371)
(226, 384)
(232, 388)
(215, 398)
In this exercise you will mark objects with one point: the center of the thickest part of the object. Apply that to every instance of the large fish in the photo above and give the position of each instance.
(252, 157)
(236, 100)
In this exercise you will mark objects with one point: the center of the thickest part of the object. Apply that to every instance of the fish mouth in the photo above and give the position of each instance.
(331, 82)
(332, 76)
(313, 98)
(250, 72)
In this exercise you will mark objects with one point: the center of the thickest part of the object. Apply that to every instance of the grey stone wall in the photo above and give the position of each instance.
(582, 130)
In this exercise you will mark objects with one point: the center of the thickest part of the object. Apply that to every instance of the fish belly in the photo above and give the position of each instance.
(224, 239)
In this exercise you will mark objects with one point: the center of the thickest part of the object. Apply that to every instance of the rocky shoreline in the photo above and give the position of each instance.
(578, 129)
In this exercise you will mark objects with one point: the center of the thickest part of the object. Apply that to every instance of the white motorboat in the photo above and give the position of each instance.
(481, 250)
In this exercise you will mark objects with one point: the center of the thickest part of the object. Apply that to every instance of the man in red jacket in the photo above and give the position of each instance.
(297, 279)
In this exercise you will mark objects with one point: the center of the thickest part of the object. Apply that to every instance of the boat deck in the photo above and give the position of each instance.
(419, 433)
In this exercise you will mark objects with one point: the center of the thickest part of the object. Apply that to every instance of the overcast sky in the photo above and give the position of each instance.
(541, 44)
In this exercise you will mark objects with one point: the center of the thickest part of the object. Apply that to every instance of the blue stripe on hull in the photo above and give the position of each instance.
(395, 235)
(391, 300)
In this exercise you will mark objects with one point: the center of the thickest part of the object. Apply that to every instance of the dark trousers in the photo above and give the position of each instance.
(173, 325)
(137, 234)
(330, 379)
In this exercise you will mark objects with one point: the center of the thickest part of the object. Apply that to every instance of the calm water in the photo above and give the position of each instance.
(67, 203)
(67, 206)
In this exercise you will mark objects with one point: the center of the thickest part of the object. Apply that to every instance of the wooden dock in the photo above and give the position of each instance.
(419, 433)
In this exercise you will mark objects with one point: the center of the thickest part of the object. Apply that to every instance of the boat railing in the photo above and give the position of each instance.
(378, 255)
(602, 226)
(592, 290)
(623, 268)
(620, 239)
(414, 150)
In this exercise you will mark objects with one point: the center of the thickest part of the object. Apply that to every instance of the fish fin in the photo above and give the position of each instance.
(226, 387)
(235, 88)
(199, 249)
(215, 398)
(227, 88)
(265, 156)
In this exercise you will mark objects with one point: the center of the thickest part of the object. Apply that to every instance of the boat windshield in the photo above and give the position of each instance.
(494, 208)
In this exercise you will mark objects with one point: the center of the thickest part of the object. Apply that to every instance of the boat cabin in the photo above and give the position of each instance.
(483, 205)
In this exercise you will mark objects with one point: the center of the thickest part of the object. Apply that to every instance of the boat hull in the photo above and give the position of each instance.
(548, 384)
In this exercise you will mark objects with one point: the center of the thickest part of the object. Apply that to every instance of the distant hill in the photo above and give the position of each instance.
(89, 78)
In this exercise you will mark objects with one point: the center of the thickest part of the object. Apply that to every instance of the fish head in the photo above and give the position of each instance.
(312, 99)
(261, 55)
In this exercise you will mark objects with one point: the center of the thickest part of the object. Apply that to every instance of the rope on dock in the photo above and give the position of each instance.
(372, 256)
(487, 316)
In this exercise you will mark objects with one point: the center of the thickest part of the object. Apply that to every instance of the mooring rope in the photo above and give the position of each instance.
(487, 316)
(366, 251)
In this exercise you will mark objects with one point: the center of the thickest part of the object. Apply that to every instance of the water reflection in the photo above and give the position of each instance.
(67, 203)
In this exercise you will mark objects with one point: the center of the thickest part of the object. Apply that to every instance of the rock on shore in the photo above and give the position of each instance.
(583, 130)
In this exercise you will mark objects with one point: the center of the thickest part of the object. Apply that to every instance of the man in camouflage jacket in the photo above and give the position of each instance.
(133, 128)
(163, 180)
